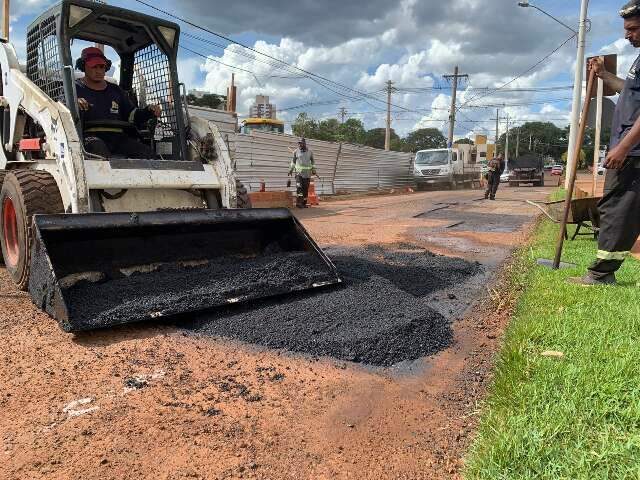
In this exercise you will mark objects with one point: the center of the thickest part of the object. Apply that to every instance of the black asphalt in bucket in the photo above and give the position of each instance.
(97, 270)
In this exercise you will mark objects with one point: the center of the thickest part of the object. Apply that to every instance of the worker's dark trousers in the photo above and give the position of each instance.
(108, 144)
(619, 218)
(492, 186)
(302, 190)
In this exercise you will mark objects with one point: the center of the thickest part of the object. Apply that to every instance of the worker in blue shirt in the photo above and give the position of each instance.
(619, 207)
(101, 101)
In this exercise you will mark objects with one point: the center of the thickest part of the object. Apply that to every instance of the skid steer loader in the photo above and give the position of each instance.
(104, 241)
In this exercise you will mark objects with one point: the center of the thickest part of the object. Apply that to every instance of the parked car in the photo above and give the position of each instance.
(557, 170)
(547, 168)
(505, 176)
(601, 169)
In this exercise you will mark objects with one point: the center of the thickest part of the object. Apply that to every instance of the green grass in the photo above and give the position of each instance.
(577, 417)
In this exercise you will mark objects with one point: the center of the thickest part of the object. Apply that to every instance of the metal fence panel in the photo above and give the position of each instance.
(363, 168)
(267, 157)
(342, 168)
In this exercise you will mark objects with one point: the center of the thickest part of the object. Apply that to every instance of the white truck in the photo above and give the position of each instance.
(456, 167)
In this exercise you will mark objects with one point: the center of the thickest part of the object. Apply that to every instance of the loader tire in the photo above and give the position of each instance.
(244, 201)
(2, 175)
(24, 193)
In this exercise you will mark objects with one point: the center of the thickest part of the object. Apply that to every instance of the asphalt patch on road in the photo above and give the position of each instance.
(383, 313)
(478, 221)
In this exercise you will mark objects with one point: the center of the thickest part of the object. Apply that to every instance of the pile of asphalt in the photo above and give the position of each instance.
(382, 314)
(172, 289)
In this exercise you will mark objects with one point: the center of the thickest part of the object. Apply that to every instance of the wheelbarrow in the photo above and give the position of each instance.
(584, 213)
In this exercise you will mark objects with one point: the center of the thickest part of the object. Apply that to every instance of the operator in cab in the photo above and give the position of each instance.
(101, 102)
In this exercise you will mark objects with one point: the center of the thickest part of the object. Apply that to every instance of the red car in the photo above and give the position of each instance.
(557, 170)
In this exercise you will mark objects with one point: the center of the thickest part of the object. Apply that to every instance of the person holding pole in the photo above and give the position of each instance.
(620, 205)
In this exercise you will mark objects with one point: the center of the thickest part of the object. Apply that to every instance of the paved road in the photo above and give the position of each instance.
(150, 401)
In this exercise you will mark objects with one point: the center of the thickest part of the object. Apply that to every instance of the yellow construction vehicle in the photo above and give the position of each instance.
(262, 125)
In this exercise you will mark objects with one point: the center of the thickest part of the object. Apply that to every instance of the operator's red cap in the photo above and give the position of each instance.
(93, 56)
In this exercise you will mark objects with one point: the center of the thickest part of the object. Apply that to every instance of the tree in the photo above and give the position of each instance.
(352, 131)
(464, 141)
(305, 126)
(328, 130)
(543, 138)
(423, 139)
(581, 160)
(375, 137)
(210, 100)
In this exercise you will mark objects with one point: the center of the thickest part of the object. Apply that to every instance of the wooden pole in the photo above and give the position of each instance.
(596, 151)
(5, 13)
(574, 170)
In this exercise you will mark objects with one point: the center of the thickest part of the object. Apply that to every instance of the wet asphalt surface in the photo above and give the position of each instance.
(384, 312)
(476, 221)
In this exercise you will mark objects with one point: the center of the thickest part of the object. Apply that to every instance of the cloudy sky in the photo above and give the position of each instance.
(354, 47)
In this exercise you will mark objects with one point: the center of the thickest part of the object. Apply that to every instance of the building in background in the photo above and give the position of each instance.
(262, 108)
(262, 117)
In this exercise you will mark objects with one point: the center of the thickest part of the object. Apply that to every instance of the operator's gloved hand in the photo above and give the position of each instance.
(155, 109)
(83, 104)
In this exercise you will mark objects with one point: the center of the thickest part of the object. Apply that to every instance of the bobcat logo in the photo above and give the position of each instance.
(115, 108)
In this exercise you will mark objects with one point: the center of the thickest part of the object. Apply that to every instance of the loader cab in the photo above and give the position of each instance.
(146, 57)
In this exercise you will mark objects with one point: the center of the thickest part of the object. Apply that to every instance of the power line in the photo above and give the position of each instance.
(230, 40)
(505, 90)
(208, 57)
(521, 74)
(239, 53)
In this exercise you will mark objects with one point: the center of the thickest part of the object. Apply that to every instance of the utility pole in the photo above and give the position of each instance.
(387, 134)
(518, 143)
(452, 112)
(506, 148)
(577, 88)
(497, 129)
(497, 119)
(343, 113)
(5, 24)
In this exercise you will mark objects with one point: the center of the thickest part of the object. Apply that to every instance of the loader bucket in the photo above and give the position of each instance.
(101, 269)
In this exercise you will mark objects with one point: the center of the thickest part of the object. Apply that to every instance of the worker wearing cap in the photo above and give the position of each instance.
(496, 168)
(620, 205)
(99, 100)
(302, 164)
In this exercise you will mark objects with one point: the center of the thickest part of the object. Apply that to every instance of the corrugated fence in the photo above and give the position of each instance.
(342, 167)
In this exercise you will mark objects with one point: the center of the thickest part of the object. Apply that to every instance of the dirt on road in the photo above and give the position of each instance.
(285, 389)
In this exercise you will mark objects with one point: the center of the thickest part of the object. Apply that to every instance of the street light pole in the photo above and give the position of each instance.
(577, 88)
(527, 4)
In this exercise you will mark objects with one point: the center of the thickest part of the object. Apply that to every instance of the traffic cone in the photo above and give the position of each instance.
(312, 198)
